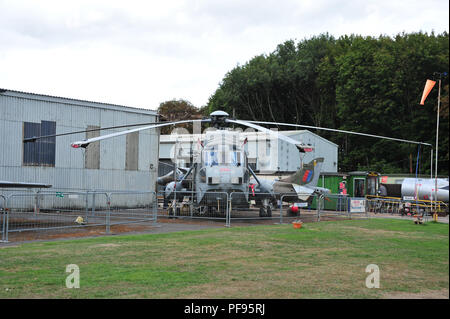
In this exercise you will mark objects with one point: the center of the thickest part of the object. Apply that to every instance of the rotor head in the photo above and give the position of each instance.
(218, 118)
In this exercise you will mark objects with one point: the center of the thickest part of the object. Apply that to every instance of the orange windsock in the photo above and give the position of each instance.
(428, 86)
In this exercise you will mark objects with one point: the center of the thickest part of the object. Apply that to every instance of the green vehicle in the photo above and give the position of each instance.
(345, 185)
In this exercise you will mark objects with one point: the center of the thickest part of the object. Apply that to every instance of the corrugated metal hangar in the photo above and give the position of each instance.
(124, 163)
(287, 157)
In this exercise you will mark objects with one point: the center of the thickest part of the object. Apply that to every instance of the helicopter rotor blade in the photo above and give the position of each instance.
(301, 147)
(85, 143)
(34, 138)
(342, 131)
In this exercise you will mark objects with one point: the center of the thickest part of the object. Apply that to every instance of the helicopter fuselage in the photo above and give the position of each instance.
(221, 174)
(220, 167)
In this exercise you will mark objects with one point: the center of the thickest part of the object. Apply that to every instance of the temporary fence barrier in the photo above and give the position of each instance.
(303, 210)
(46, 210)
(248, 207)
(403, 207)
(276, 207)
(50, 209)
(383, 205)
(212, 205)
(2, 218)
(143, 209)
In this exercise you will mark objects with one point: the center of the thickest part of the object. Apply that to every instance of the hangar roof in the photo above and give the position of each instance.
(65, 100)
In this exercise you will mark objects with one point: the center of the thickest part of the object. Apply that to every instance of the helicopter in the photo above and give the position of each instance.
(221, 166)
(237, 172)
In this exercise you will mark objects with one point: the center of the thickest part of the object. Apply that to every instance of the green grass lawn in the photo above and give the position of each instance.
(320, 260)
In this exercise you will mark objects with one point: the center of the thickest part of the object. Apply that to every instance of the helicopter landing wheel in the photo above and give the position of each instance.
(211, 211)
(173, 212)
(261, 212)
(269, 211)
(265, 211)
(199, 211)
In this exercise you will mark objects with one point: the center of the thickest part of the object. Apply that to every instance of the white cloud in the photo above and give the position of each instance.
(141, 53)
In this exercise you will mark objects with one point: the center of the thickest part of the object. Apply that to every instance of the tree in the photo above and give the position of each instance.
(177, 110)
(364, 84)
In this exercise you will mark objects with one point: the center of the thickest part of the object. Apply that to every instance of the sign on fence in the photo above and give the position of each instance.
(357, 205)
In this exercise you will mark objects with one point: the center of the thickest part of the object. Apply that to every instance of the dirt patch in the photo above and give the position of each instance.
(189, 221)
(428, 294)
(76, 232)
(8, 246)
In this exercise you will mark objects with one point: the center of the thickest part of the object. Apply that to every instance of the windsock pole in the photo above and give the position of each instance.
(437, 140)
(428, 87)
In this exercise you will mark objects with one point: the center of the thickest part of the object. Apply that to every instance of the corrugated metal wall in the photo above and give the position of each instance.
(74, 115)
(290, 158)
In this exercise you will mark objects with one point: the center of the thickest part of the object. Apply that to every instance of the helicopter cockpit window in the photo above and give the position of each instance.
(211, 158)
(215, 156)
(235, 158)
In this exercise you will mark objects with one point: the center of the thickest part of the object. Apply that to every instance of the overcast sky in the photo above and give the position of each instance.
(142, 53)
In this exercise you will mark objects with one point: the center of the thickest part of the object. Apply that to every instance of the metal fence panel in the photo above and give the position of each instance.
(403, 207)
(2, 218)
(213, 205)
(46, 210)
(252, 209)
(144, 208)
(41, 211)
(338, 206)
(383, 205)
(290, 210)
(276, 207)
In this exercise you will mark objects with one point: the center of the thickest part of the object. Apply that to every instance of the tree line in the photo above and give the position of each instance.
(357, 83)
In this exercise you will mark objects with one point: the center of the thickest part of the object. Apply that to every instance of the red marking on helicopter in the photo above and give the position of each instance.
(252, 186)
